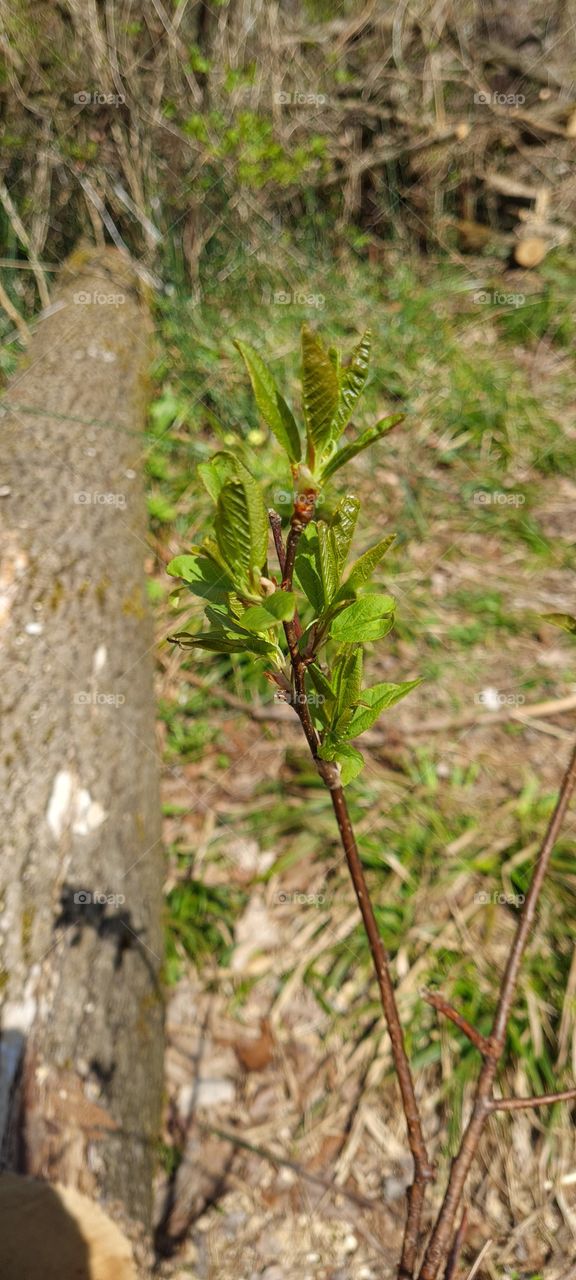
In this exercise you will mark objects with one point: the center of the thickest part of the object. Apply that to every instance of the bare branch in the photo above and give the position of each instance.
(479, 1041)
(483, 1103)
(539, 1100)
(456, 1250)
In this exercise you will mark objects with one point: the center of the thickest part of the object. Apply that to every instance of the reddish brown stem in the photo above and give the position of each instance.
(539, 1100)
(479, 1041)
(424, 1171)
(483, 1103)
(276, 526)
(290, 558)
(456, 1250)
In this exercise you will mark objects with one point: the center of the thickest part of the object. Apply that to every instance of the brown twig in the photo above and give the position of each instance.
(284, 1162)
(276, 526)
(539, 1100)
(456, 1250)
(484, 1102)
(424, 1171)
(290, 557)
(478, 1040)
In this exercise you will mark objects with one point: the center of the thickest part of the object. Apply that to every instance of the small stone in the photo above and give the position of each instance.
(350, 1244)
(34, 628)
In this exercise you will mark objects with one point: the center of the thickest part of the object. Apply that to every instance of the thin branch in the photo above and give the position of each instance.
(424, 1170)
(276, 526)
(456, 1250)
(539, 1100)
(483, 1103)
(479, 1041)
(284, 1163)
(290, 557)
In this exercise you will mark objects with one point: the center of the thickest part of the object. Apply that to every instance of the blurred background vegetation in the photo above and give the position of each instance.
(411, 169)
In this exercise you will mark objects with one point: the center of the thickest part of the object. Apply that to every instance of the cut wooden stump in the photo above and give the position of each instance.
(81, 870)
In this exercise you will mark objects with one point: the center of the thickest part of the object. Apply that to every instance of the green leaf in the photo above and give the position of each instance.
(343, 524)
(241, 523)
(232, 527)
(372, 703)
(218, 641)
(363, 441)
(564, 620)
(351, 760)
(204, 578)
(306, 569)
(274, 610)
(281, 604)
(328, 561)
(365, 566)
(182, 567)
(334, 357)
(271, 403)
(347, 677)
(352, 383)
(320, 390)
(369, 618)
(216, 471)
(223, 620)
(320, 682)
(210, 550)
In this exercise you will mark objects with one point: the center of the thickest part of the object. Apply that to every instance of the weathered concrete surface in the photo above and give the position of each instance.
(81, 1008)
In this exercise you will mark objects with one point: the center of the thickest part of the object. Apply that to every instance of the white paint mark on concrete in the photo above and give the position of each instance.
(59, 811)
(89, 815)
(71, 805)
(100, 658)
(101, 353)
